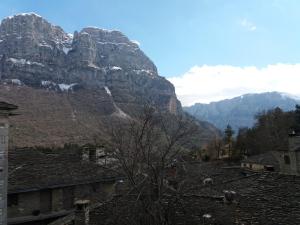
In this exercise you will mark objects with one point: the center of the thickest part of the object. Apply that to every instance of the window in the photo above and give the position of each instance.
(46, 201)
(68, 198)
(270, 168)
(92, 155)
(287, 160)
(3, 139)
(85, 155)
(95, 187)
(13, 200)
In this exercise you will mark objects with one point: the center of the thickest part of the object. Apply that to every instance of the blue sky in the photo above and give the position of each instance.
(181, 34)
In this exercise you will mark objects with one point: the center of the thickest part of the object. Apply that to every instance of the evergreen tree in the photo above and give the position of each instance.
(228, 133)
(270, 132)
(296, 127)
(228, 139)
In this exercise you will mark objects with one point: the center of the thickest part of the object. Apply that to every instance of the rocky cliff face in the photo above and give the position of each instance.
(68, 85)
(38, 54)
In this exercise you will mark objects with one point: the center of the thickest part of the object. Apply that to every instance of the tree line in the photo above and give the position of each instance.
(269, 133)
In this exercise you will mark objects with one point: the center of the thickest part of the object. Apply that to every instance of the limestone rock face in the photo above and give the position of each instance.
(67, 86)
(35, 53)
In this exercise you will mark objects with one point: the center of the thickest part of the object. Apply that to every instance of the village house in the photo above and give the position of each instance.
(44, 184)
(289, 160)
(220, 152)
(225, 151)
(261, 162)
(5, 112)
(258, 199)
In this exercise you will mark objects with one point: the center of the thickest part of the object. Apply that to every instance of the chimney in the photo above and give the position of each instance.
(82, 212)
(89, 154)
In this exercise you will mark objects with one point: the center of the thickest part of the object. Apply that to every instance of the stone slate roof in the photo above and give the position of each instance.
(267, 158)
(31, 169)
(269, 199)
(297, 149)
(261, 198)
(7, 106)
(188, 211)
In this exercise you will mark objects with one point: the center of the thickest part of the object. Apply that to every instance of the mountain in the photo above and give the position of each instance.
(68, 85)
(240, 111)
(38, 54)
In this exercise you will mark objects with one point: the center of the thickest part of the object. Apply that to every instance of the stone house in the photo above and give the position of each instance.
(261, 198)
(289, 160)
(44, 184)
(218, 151)
(261, 162)
(5, 112)
(225, 151)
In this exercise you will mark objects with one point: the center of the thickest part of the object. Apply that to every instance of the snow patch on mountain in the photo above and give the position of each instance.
(66, 50)
(45, 45)
(24, 14)
(46, 83)
(142, 71)
(102, 29)
(116, 68)
(66, 87)
(16, 82)
(24, 62)
(107, 90)
(92, 65)
(136, 42)
(287, 96)
(118, 112)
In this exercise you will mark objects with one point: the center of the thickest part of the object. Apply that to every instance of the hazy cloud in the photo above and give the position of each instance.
(247, 25)
(212, 83)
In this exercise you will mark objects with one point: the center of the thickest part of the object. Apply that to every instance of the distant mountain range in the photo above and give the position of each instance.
(240, 111)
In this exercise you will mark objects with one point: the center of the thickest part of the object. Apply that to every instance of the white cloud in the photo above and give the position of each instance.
(247, 25)
(213, 83)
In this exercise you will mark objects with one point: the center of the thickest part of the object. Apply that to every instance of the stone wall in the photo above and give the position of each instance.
(31, 204)
(294, 143)
(253, 166)
(27, 204)
(290, 160)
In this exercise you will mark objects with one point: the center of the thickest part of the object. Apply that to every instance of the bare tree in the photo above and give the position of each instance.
(147, 151)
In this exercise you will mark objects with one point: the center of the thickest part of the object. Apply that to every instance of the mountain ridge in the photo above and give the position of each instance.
(240, 111)
(36, 53)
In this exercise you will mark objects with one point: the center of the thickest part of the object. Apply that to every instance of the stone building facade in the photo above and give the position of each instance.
(5, 111)
(289, 160)
(43, 186)
(262, 162)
